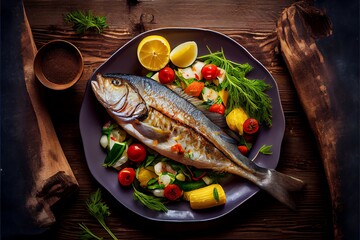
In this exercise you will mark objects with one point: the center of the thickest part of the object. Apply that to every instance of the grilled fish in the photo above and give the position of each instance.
(172, 126)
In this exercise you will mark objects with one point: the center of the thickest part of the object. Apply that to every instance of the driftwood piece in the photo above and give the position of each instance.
(298, 28)
(52, 175)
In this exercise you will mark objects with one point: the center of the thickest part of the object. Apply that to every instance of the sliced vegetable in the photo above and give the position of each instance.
(104, 141)
(194, 89)
(166, 75)
(172, 192)
(224, 95)
(208, 180)
(192, 72)
(206, 197)
(158, 192)
(162, 167)
(180, 177)
(217, 108)
(126, 176)
(144, 175)
(166, 179)
(189, 186)
(114, 154)
(209, 94)
(136, 152)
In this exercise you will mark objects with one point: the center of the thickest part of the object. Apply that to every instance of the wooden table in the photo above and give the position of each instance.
(247, 22)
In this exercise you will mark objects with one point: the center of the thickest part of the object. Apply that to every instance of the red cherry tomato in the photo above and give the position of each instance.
(250, 126)
(172, 192)
(126, 176)
(217, 108)
(136, 152)
(166, 75)
(210, 71)
(243, 149)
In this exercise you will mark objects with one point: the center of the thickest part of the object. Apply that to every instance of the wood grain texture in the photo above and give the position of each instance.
(298, 28)
(252, 24)
(53, 177)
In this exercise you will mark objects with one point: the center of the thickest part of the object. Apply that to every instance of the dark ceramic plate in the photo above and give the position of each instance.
(124, 60)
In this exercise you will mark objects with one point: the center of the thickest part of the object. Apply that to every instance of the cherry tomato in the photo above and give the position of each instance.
(217, 108)
(243, 149)
(166, 75)
(172, 192)
(136, 152)
(250, 126)
(126, 176)
(210, 71)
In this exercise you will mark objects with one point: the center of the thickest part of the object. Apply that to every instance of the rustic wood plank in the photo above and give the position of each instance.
(252, 24)
(298, 28)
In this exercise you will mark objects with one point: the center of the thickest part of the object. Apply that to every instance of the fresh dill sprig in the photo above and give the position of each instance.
(245, 93)
(99, 210)
(152, 202)
(86, 21)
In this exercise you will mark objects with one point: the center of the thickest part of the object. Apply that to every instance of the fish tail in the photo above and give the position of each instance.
(280, 185)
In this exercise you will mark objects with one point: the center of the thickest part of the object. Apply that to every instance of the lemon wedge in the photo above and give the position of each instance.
(153, 52)
(184, 54)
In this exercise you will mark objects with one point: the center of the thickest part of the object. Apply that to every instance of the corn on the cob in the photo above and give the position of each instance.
(206, 197)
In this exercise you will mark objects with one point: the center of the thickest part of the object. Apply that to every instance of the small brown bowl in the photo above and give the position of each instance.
(58, 65)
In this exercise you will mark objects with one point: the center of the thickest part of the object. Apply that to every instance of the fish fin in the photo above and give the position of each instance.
(280, 185)
(151, 132)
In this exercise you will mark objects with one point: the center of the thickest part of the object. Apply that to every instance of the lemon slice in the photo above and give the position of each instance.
(184, 54)
(153, 52)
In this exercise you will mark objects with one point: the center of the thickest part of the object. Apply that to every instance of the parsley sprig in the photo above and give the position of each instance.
(86, 22)
(99, 210)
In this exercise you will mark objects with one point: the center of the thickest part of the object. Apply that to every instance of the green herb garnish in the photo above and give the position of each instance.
(152, 202)
(266, 149)
(245, 93)
(86, 21)
(99, 210)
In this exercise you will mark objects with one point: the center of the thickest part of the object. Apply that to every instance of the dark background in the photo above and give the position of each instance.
(341, 50)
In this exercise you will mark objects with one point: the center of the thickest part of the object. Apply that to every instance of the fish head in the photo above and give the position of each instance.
(120, 98)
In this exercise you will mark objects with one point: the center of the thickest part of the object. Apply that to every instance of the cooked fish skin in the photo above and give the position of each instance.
(172, 126)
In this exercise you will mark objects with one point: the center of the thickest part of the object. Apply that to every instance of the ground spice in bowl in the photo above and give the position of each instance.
(58, 65)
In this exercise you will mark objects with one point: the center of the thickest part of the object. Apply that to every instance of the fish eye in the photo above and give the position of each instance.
(116, 82)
